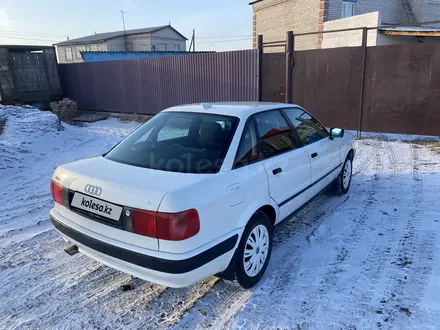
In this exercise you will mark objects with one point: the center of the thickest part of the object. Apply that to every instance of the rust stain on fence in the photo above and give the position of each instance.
(150, 85)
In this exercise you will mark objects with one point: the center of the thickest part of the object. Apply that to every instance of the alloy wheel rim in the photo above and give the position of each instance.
(346, 178)
(256, 250)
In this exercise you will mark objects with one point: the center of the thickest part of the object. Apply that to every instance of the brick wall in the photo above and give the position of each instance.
(273, 18)
(391, 11)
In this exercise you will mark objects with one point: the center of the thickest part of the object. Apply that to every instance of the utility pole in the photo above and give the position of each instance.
(125, 33)
(193, 42)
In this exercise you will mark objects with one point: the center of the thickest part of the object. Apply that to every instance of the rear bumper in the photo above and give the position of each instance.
(171, 272)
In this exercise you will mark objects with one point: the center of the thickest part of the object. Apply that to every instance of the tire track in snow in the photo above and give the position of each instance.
(286, 281)
(216, 308)
(379, 247)
(412, 263)
(324, 283)
(222, 304)
(365, 158)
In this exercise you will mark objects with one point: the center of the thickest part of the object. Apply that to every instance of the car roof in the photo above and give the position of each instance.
(237, 109)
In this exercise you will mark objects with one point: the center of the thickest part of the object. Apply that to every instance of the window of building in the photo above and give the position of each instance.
(69, 56)
(348, 9)
(79, 49)
(160, 47)
(176, 48)
(275, 133)
(130, 45)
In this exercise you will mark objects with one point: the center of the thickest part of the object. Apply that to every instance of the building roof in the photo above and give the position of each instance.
(99, 37)
(144, 51)
(254, 2)
(31, 48)
(416, 31)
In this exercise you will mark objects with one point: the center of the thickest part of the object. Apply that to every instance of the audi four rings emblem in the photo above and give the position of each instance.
(93, 190)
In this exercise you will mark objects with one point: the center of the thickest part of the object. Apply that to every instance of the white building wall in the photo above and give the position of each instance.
(140, 42)
(431, 11)
(354, 38)
(167, 39)
(136, 42)
(75, 49)
(351, 38)
(117, 44)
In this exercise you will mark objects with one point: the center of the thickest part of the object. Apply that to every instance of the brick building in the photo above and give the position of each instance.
(273, 18)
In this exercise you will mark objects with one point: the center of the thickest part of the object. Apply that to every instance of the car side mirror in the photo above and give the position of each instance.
(336, 133)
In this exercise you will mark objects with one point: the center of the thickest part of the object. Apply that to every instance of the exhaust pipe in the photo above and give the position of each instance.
(71, 250)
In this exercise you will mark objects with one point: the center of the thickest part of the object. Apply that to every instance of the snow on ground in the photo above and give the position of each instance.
(367, 260)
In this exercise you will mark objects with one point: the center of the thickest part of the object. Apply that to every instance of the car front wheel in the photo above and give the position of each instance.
(254, 251)
(343, 181)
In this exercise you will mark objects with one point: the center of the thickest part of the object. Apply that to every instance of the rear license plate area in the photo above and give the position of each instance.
(96, 209)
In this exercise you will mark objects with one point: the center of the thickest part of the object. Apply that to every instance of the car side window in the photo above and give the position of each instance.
(247, 152)
(308, 128)
(275, 133)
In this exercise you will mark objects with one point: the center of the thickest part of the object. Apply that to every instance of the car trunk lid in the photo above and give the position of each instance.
(98, 181)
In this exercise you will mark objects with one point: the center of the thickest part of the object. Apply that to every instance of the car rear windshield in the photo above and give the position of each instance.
(183, 142)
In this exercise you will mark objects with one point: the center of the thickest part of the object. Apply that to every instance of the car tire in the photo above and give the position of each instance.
(343, 181)
(258, 231)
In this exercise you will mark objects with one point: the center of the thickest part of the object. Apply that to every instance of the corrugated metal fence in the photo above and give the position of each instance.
(150, 85)
(402, 86)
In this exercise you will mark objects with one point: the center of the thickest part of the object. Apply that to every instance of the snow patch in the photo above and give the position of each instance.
(26, 123)
(366, 260)
(397, 137)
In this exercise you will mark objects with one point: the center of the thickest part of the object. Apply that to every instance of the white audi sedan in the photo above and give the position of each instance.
(198, 189)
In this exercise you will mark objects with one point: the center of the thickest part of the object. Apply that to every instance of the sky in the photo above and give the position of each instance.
(220, 24)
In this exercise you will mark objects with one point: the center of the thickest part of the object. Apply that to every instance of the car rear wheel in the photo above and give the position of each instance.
(254, 251)
(343, 181)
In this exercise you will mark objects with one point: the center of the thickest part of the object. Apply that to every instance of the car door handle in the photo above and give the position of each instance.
(277, 171)
(315, 154)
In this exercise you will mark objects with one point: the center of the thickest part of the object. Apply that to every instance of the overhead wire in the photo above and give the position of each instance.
(226, 40)
(227, 35)
(33, 39)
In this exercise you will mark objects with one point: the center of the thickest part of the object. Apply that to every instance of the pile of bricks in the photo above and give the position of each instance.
(66, 109)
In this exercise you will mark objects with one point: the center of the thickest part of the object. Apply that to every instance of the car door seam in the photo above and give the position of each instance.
(308, 187)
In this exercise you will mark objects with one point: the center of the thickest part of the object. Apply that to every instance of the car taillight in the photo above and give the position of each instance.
(144, 222)
(57, 192)
(168, 226)
(177, 226)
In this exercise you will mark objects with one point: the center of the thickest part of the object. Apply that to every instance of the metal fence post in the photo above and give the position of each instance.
(289, 66)
(260, 67)
(362, 93)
